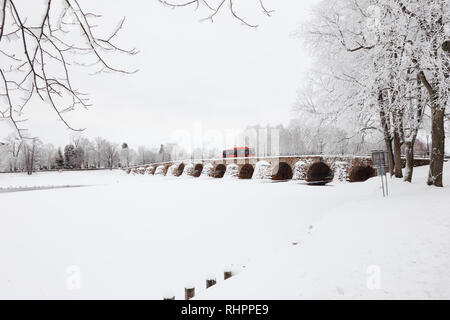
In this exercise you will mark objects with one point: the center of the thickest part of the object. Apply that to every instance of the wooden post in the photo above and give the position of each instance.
(210, 282)
(227, 274)
(189, 292)
(169, 296)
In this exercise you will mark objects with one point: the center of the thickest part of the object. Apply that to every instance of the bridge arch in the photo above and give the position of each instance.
(282, 171)
(319, 173)
(361, 173)
(198, 170)
(246, 171)
(180, 170)
(166, 168)
(219, 171)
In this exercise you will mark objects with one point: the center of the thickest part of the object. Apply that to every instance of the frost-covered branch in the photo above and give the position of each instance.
(215, 7)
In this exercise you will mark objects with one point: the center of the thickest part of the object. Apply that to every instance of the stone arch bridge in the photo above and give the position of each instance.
(312, 168)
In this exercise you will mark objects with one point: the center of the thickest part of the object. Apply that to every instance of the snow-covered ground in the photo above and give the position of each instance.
(57, 179)
(125, 236)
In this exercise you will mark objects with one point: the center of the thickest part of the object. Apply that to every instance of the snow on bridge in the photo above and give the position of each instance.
(312, 168)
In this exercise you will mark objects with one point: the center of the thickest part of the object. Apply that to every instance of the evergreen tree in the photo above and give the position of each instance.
(59, 160)
(69, 156)
(161, 152)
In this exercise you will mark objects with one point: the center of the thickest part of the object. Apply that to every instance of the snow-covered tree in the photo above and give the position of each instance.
(48, 155)
(379, 58)
(111, 154)
(11, 151)
(59, 161)
(69, 156)
(31, 155)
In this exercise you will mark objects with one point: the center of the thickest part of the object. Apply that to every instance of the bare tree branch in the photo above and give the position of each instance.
(47, 53)
(215, 9)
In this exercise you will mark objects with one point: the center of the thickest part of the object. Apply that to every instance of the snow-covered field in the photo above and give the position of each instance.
(125, 236)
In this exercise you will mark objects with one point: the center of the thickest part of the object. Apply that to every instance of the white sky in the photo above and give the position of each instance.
(217, 75)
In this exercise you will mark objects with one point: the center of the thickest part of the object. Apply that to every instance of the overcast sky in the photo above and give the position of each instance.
(217, 75)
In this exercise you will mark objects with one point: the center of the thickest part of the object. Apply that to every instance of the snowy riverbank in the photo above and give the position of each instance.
(144, 236)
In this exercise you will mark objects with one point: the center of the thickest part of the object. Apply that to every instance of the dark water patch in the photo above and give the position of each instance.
(20, 189)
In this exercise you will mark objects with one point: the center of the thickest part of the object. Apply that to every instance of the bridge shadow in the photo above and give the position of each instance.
(304, 183)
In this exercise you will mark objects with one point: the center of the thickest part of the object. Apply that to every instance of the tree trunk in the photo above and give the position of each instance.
(437, 147)
(437, 136)
(32, 158)
(397, 155)
(409, 150)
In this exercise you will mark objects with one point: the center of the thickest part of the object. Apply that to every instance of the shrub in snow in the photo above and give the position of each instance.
(340, 171)
(232, 171)
(159, 171)
(188, 170)
(262, 170)
(208, 170)
(300, 169)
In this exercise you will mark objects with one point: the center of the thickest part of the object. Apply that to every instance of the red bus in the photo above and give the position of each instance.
(242, 152)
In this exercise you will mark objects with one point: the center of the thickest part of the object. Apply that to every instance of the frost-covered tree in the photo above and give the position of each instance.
(83, 150)
(429, 21)
(59, 161)
(98, 145)
(69, 156)
(31, 155)
(383, 59)
(11, 151)
(47, 156)
(162, 153)
(125, 155)
(111, 154)
(145, 155)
